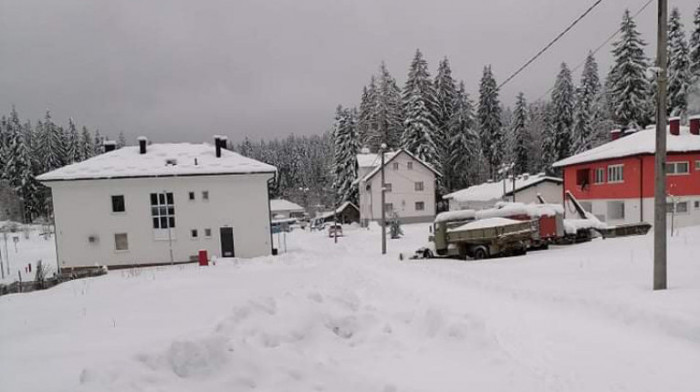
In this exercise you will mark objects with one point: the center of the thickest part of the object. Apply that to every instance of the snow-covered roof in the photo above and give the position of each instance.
(642, 142)
(328, 214)
(533, 210)
(494, 190)
(160, 160)
(284, 205)
(388, 157)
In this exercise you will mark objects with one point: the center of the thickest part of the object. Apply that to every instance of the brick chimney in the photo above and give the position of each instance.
(674, 126)
(109, 145)
(143, 143)
(217, 145)
(615, 134)
(695, 125)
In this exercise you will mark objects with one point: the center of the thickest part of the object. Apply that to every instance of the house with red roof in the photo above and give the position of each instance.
(615, 181)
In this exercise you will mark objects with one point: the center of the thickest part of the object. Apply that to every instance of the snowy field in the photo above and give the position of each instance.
(327, 317)
(30, 247)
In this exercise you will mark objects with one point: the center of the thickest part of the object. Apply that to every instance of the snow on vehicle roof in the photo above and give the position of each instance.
(284, 205)
(160, 160)
(449, 216)
(486, 223)
(494, 190)
(505, 209)
(642, 142)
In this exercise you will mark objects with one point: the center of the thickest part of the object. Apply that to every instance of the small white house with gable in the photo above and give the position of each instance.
(409, 183)
(160, 204)
(526, 188)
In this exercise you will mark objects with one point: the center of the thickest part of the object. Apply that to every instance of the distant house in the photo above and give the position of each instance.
(10, 204)
(345, 213)
(615, 181)
(527, 188)
(160, 204)
(409, 187)
(286, 209)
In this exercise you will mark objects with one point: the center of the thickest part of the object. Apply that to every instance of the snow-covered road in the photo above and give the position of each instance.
(342, 318)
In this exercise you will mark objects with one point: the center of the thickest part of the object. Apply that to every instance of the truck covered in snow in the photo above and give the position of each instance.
(480, 239)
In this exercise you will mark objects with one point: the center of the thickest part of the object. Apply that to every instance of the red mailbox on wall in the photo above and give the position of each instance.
(203, 259)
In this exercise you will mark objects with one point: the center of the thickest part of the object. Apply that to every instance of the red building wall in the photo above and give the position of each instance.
(638, 178)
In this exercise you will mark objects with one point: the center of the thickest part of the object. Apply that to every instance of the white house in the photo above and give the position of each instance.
(286, 209)
(527, 188)
(160, 204)
(409, 184)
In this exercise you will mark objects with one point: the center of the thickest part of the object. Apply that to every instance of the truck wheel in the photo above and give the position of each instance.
(480, 253)
(427, 254)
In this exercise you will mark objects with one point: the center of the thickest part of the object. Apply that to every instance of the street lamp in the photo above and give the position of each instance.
(382, 149)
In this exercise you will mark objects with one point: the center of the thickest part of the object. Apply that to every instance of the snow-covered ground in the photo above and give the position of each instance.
(326, 317)
(29, 247)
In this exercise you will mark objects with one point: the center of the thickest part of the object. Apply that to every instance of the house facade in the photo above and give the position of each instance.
(160, 204)
(525, 189)
(615, 181)
(410, 186)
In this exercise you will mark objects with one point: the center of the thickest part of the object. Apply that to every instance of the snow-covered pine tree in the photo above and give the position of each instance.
(586, 107)
(445, 100)
(549, 144)
(489, 121)
(18, 167)
(418, 107)
(98, 144)
(51, 144)
(87, 149)
(388, 118)
(3, 142)
(535, 129)
(366, 126)
(121, 140)
(563, 111)
(629, 88)
(695, 46)
(72, 143)
(345, 154)
(463, 146)
(521, 135)
(679, 76)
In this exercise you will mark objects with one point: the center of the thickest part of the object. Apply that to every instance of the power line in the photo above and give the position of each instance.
(549, 45)
(610, 38)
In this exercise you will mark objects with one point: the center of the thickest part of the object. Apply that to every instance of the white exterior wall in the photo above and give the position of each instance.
(84, 208)
(549, 191)
(403, 195)
(599, 208)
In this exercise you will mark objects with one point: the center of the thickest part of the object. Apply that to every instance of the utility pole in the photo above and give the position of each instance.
(381, 152)
(660, 253)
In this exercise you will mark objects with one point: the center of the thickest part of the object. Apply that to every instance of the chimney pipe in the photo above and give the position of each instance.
(217, 145)
(224, 142)
(615, 134)
(675, 126)
(109, 145)
(695, 125)
(143, 142)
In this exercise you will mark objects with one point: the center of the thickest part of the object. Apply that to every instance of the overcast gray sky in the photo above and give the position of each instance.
(182, 70)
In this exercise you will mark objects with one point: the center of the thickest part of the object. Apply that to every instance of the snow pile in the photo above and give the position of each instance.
(642, 142)
(505, 209)
(166, 159)
(277, 205)
(486, 223)
(495, 190)
(571, 226)
(449, 216)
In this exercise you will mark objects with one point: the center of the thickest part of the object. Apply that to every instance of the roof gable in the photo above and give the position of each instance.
(495, 190)
(376, 169)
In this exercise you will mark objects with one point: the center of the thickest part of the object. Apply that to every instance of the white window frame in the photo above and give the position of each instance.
(409, 165)
(191, 196)
(687, 207)
(395, 166)
(697, 165)
(418, 186)
(615, 177)
(111, 207)
(697, 204)
(599, 176)
(617, 202)
(422, 204)
(116, 248)
(387, 187)
(205, 195)
(674, 171)
(389, 207)
(207, 233)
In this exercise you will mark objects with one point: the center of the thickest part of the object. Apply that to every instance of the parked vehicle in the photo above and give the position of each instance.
(491, 237)
(335, 230)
